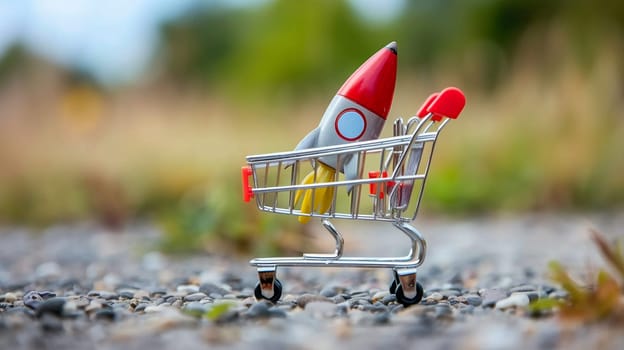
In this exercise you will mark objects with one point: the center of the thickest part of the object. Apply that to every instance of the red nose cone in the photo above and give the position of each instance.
(372, 85)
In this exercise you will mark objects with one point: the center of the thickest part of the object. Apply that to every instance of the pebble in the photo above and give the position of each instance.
(33, 298)
(80, 301)
(466, 309)
(380, 295)
(342, 309)
(141, 294)
(523, 288)
(53, 306)
(435, 296)
(491, 296)
(50, 323)
(330, 291)
(216, 296)
(533, 296)
(141, 307)
(153, 309)
(195, 296)
(195, 308)
(390, 298)
(360, 294)
(366, 319)
(105, 314)
(94, 305)
(304, 299)
(212, 288)
(126, 293)
(321, 309)
(8, 297)
(374, 308)
(514, 300)
(108, 295)
(170, 306)
(381, 318)
(157, 291)
(473, 299)
(443, 311)
(337, 299)
(558, 294)
(264, 309)
(188, 288)
(447, 293)
(428, 301)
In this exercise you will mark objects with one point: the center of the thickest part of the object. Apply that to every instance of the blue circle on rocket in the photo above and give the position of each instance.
(350, 124)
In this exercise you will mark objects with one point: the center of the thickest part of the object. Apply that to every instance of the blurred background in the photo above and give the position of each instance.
(122, 111)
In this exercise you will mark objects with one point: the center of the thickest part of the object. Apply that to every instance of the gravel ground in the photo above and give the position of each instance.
(81, 287)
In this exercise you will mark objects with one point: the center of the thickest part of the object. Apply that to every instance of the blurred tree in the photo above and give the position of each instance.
(196, 46)
(284, 47)
(13, 60)
(292, 46)
(489, 33)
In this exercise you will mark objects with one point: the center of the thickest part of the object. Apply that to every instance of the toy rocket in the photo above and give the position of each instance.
(356, 113)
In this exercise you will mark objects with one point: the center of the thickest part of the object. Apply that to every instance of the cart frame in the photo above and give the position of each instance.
(403, 160)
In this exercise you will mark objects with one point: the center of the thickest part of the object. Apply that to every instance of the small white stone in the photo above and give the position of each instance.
(10, 297)
(152, 309)
(188, 288)
(516, 299)
(69, 307)
(380, 295)
(435, 296)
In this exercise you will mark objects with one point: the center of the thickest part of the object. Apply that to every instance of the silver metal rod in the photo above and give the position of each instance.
(414, 259)
(337, 183)
(339, 244)
(339, 149)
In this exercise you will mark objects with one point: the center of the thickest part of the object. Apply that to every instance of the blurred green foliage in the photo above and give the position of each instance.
(285, 47)
(599, 300)
(215, 219)
(293, 47)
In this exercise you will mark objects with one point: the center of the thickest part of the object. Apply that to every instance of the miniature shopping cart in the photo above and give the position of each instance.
(391, 178)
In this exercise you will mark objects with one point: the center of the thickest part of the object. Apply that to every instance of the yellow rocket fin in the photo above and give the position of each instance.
(323, 196)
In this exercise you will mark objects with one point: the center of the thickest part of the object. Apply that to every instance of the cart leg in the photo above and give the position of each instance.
(268, 287)
(339, 244)
(408, 291)
(395, 282)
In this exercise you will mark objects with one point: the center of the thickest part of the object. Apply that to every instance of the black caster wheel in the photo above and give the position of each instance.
(277, 292)
(393, 287)
(401, 298)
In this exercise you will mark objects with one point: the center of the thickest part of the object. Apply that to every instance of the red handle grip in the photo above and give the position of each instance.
(247, 192)
(449, 103)
(424, 109)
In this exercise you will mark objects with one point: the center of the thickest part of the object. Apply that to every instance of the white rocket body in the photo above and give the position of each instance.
(358, 111)
(344, 121)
